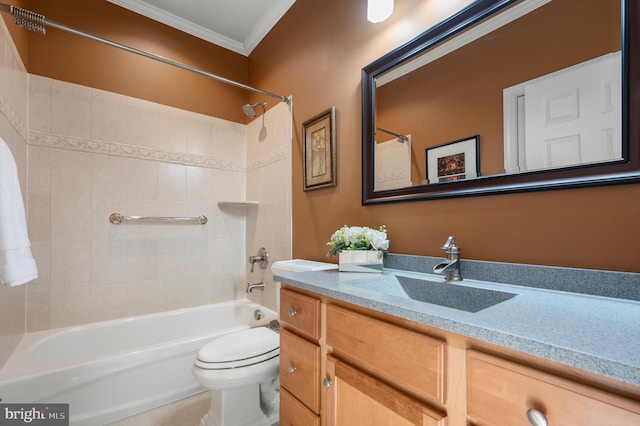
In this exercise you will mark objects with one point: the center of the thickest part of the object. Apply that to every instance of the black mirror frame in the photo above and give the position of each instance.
(624, 171)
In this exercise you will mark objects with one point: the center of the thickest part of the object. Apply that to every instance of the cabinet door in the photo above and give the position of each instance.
(355, 398)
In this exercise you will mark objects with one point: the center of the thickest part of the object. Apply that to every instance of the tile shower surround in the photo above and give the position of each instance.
(92, 153)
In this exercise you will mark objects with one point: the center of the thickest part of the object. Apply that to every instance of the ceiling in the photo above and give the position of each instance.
(237, 25)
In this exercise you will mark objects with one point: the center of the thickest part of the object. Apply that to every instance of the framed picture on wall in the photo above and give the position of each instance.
(319, 150)
(455, 160)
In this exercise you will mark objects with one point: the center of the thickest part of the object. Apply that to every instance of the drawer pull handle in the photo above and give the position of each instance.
(292, 369)
(292, 312)
(536, 417)
(326, 382)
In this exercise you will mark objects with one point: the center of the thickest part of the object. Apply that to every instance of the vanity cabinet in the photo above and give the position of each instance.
(501, 392)
(299, 359)
(342, 365)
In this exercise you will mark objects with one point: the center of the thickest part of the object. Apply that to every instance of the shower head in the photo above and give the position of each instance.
(250, 110)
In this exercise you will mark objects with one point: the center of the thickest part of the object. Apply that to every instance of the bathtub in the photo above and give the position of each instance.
(110, 370)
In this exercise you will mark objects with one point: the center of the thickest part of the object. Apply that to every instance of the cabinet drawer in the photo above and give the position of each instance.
(294, 413)
(410, 359)
(500, 393)
(300, 312)
(300, 369)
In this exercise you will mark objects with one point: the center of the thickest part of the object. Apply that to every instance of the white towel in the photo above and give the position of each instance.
(17, 265)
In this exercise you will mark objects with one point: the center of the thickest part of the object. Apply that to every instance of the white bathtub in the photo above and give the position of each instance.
(110, 370)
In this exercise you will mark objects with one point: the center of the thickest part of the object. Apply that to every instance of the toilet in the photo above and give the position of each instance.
(240, 371)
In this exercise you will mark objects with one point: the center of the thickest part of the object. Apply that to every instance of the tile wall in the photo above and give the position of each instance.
(93, 153)
(13, 130)
(269, 182)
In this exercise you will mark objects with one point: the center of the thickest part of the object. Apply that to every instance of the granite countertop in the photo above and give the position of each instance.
(593, 333)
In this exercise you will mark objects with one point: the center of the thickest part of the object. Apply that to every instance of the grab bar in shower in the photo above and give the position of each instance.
(117, 219)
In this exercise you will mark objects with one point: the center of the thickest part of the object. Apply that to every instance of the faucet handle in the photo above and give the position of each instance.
(450, 243)
(262, 258)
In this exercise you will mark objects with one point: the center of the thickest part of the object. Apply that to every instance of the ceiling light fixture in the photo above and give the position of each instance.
(379, 10)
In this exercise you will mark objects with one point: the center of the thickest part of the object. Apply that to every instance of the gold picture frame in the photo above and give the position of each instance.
(319, 150)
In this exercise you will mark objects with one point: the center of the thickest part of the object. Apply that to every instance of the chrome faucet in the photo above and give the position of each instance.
(251, 287)
(262, 258)
(450, 268)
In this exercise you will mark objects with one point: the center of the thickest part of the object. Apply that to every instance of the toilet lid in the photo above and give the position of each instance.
(249, 344)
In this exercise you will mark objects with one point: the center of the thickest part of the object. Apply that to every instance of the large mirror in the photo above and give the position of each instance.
(506, 96)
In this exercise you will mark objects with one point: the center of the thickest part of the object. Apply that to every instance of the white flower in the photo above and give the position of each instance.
(358, 238)
(378, 240)
(354, 235)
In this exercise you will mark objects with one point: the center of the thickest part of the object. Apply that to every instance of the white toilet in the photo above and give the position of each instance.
(240, 370)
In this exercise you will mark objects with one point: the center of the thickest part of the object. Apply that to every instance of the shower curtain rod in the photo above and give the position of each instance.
(37, 23)
(401, 138)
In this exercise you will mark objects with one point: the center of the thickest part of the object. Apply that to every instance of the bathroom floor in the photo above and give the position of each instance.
(186, 412)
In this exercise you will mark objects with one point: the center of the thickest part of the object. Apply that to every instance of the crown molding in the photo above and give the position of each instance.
(265, 25)
(181, 24)
(244, 48)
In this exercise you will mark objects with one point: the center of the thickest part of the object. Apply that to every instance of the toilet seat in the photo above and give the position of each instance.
(239, 349)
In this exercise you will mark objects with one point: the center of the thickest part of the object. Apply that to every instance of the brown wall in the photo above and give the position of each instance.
(316, 54)
(67, 57)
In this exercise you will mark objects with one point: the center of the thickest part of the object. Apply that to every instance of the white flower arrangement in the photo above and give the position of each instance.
(358, 238)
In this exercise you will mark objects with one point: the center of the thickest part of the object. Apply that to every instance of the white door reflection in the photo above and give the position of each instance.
(569, 117)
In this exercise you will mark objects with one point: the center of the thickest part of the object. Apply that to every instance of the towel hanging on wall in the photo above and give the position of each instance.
(17, 265)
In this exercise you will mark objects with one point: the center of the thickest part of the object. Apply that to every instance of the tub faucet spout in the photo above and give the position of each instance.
(450, 267)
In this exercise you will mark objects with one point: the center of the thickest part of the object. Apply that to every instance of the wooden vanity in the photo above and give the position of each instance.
(343, 364)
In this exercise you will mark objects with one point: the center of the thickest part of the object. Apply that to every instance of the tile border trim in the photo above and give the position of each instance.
(73, 143)
(12, 117)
